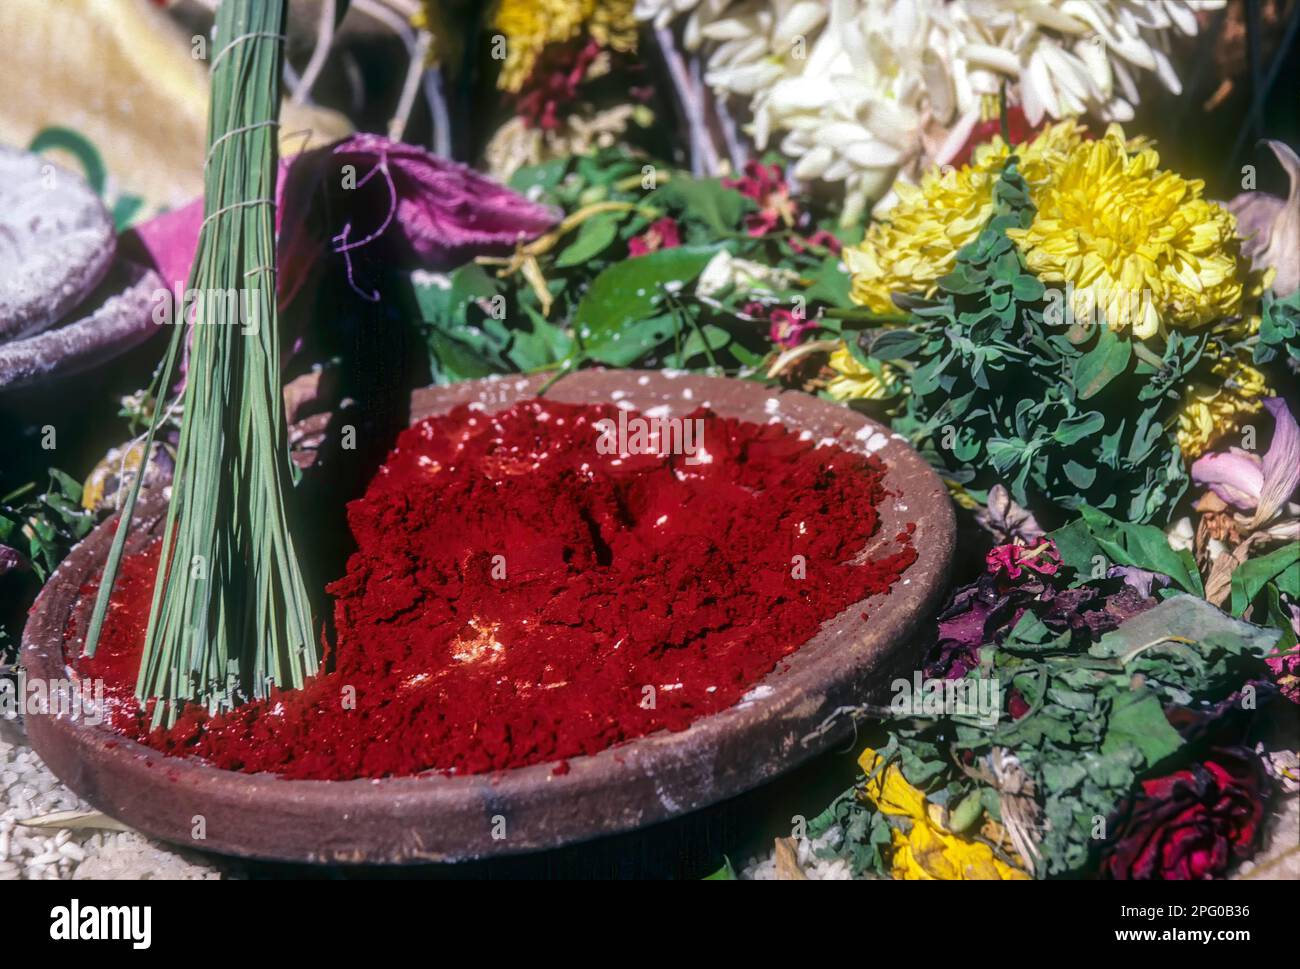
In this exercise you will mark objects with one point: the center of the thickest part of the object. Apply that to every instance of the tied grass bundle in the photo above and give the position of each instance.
(231, 616)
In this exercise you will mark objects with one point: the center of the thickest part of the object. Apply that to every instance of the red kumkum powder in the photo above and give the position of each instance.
(514, 592)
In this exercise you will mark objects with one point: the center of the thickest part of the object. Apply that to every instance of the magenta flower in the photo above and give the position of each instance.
(367, 191)
(439, 212)
(660, 234)
(1013, 559)
(1246, 481)
(787, 328)
(766, 185)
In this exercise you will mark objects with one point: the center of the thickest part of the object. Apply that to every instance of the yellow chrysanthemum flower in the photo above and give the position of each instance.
(852, 380)
(917, 240)
(1211, 411)
(529, 25)
(927, 851)
(1134, 243)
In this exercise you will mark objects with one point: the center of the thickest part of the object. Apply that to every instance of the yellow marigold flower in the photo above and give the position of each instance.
(1135, 243)
(1211, 411)
(852, 380)
(917, 240)
(613, 25)
(529, 25)
(927, 851)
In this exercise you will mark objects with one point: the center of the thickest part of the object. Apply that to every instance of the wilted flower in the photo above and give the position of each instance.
(435, 210)
(854, 379)
(10, 559)
(1271, 226)
(724, 271)
(786, 327)
(1006, 520)
(1011, 560)
(765, 184)
(923, 848)
(660, 234)
(1253, 484)
(1192, 824)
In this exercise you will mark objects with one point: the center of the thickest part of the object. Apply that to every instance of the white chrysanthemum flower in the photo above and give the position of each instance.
(662, 12)
(861, 91)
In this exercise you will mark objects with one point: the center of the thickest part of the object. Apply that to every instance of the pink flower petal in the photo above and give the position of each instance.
(1236, 477)
(1281, 463)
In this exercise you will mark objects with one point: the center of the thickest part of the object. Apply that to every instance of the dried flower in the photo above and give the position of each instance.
(1006, 520)
(766, 185)
(923, 849)
(854, 380)
(1193, 823)
(1254, 484)
(1011, 560)
(661, 234)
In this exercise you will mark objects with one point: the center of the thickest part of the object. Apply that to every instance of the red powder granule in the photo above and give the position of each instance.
(517, 597)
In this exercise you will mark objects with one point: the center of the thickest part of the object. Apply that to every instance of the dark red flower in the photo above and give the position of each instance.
(1193, 823)
(553, 85)
(821, 238)
(661, 234)
(1017, 705)
(765, 184)
(1018, 127)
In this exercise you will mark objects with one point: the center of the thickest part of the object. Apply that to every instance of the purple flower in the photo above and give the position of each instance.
(366, 191)
(1139, 580)
(440, 212)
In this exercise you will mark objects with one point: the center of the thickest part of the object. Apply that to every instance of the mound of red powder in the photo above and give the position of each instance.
(518, 597)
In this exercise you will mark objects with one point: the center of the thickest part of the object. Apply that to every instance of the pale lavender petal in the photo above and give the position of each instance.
(1139, 580)
(1236, 476)
(1281, 463)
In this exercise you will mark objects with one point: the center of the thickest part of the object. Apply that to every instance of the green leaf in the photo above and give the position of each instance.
(702, 200)
(1076, 428)
(724, 874)
(1138, 720)
(831, 284)
(614, 314)
(1102, 364)
(1143, 546)
(1282, 566)
(593, 238)
(896, 344)
(1178, 618)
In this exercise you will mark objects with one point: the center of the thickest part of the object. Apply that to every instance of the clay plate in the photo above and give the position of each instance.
(435, 818)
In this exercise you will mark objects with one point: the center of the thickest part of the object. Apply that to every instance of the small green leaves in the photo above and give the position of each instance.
(1102, 364)
(1062, 416)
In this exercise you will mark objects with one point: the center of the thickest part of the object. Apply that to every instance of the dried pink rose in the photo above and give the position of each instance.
(1013, 559)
